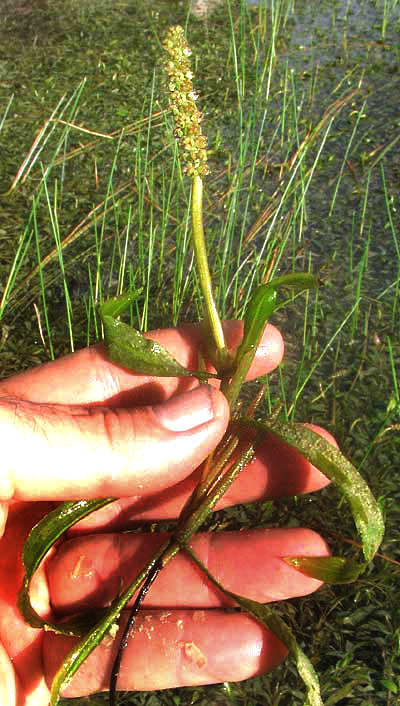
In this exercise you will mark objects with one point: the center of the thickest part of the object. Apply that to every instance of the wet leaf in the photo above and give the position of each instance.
(263, 303)
(85, 646)
(330, 569)
(41, 538)
(261, 306)
(297, 282)
(115, 306)
(129, 348)
(81, 651)
(331, 462)
(265, 615)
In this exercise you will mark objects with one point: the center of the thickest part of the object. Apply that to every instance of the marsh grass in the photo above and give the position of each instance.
(303, 177)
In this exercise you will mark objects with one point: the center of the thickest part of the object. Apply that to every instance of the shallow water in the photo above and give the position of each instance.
(322, 54)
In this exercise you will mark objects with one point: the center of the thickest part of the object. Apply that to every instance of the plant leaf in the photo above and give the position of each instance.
(41, 538)
(128, 347)
(115, 306)
(298, 281)
(264, 614)
(330, 569)
(330, 461)
(82, 650)
(267, 617)
(262, 304)
(94, 637)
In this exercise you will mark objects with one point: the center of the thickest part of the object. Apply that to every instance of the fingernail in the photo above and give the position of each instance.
(186, 411)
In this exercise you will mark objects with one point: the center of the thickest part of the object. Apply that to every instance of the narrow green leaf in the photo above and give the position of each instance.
(41, 538)
(85, 646)
(265, 615)
(330, 569)
(262, 304)
(331, 462)
(273, 622)
(115, 306)
(82, 650)
(298, 281)
(129, 348)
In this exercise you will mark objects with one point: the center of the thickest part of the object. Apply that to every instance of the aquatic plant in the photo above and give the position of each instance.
(129, 348)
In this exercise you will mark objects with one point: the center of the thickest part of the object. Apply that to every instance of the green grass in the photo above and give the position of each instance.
(303, 127)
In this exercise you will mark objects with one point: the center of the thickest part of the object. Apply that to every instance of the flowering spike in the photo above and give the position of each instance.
(183, 103)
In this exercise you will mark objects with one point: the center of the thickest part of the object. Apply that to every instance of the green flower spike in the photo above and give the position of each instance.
(183, 103)
(194, 155)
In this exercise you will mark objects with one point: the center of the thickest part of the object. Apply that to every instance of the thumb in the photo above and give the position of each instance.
(56, 452)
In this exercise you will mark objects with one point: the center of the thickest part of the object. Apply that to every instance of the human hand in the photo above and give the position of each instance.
(82, 427)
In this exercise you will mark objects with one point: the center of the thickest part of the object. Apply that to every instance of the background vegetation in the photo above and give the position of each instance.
(302, 116)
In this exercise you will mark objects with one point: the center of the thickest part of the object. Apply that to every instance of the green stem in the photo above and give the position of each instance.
(231, 385)
(188, 525)
(219, 355)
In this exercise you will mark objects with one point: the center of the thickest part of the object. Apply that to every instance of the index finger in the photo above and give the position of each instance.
(87, 377)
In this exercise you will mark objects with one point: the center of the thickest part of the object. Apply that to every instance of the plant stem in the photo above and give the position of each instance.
(218, 351)
(192, 516)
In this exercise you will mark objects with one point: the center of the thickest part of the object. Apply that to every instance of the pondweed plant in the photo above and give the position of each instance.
(129, 348)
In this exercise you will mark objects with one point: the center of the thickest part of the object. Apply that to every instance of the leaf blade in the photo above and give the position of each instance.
(273, 622)
(330, 461)
(95, 635)
(40, 540)
(263, 303)
(261, 306)
(330, 569)
(115, 306)
(129, 348)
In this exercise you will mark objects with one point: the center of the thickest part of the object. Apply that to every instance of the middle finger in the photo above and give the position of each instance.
(277, 471)
(86, 572)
